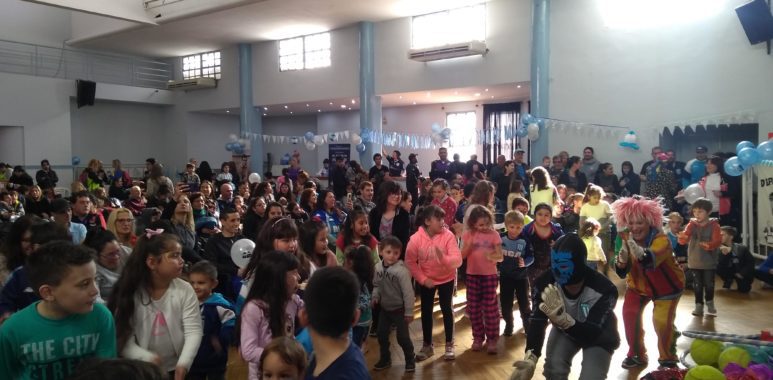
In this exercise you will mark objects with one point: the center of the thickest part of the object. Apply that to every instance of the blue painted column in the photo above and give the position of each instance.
(370, 106)
(250, 121)
(540, 71)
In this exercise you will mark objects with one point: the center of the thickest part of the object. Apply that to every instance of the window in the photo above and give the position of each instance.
(204, 65)
(463, 128)
(448, 27)
(308, 52)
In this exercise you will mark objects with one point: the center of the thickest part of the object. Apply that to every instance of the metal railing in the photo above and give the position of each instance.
(52, 62)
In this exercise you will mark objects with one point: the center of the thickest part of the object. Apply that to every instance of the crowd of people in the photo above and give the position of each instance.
(142, 269)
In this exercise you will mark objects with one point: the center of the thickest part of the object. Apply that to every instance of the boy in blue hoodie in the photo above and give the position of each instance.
(217, 318)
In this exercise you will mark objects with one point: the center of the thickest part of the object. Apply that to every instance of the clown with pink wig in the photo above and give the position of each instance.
(646, 260)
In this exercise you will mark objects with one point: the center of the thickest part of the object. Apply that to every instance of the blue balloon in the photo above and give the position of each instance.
(743, 144)
(309, 135)
(526, 118)
(446, 133)
(229, 146)
(521, 132)
(76, 160)
(748, 156)
(436, 128)
(361, 148)
(733, 167)
(238, 150)
(765, 150)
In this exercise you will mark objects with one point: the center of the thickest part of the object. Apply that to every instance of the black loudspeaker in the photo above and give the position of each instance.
(86, 91)
(756, 20)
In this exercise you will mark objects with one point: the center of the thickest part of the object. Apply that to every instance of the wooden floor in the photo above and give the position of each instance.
(737, 313)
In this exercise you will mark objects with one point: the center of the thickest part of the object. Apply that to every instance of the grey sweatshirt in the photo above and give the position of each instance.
(392, 287)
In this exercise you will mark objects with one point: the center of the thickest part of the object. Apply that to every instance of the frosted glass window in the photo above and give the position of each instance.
(204, 65)
(307, 52)
(448, 27)
(462, 126)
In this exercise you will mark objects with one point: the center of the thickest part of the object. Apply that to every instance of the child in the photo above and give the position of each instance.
(359, 261)
(540, 236)
(703, 236)
(270, 308)
(595, 207)
(440, 198)
(313, 244)
(331, 309)
(589, 232)
(736, 263)
(456, 193)
(570, 215)
(190, 178)
(282, 359)
(39, 341)
(483, 249)
(433, 256)
(521, 205)
(512, 272)
(156, 313)
(393, 291)
(225, 175)
(675, 226)
(218, 318)
(355, 232)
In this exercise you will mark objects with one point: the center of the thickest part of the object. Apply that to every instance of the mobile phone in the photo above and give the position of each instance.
(349, 196)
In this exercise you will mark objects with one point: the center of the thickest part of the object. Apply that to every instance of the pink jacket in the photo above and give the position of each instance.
(421, 257)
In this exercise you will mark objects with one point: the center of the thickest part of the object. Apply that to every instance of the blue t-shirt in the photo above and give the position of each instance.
(331, 221)
(350, 365)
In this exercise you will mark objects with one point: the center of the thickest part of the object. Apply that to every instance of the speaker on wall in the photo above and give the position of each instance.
(756, 20)
(86, 91)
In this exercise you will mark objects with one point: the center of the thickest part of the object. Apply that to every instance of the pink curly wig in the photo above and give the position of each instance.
(626, 210)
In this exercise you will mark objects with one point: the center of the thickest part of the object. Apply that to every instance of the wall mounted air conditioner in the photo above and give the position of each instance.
(448, 51)
(191, 84)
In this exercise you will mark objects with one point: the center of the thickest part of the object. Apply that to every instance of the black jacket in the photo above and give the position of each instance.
(401, 226)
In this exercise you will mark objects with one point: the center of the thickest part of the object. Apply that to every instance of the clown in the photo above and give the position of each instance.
(646, 260)
(580, 303)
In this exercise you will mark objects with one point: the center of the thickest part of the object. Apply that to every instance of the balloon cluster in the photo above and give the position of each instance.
(236, 145)
(732, 362)
(629, 141)
(359, 145)
(530, 126)
(747, 156)
(440, 134)
(312, 140)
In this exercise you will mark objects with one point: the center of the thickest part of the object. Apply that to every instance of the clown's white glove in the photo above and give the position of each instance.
(524, 368)
(553, 306)
(635, 250)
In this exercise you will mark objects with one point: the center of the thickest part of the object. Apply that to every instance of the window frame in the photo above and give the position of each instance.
(469, 132)
(198, 70)
(303, 51)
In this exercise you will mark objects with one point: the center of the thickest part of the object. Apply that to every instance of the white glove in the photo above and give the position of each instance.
(622, 255)
(553, 306)
(524, 369)
(635, 250)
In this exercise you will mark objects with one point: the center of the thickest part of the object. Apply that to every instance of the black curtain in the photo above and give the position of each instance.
(499, 124)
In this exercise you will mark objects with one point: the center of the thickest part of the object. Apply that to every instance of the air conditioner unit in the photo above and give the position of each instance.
(448, 51)
(191, 84)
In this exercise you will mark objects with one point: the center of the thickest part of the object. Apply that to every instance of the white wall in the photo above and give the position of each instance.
(206, 136)
(24, 21)
(293, 126)
(646, 78)
(11, 144)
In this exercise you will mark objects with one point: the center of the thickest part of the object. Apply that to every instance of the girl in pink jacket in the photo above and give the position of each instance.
(432, 257)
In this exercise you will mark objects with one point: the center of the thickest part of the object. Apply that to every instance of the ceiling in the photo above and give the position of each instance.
(483, 94)
(250, 21)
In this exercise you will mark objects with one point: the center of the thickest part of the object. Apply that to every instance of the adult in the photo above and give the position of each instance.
(20, 180)
(226, 198)
(660, 180)
(590, 165)
(119, 172)
(441, 168)
(149, 162)
(378, 172)
(521, 167)
(572, 177)
(109, 259)
(117, 189)
(46, 177)
(630, 182)
(218, 252)
(61, 213)
(719, 190)
(254, 218)
(329, 214)
(579, 303)
(36, 203)
(121, 223)
(16, 246)
(607, 179)
(308, 201)
(387, 218)
(184, 227)
(338, 178)
(355, 174)
(557, 168)
(646, 260)
(503, 186)
(93, 176)
(364, 199)
(678, 168)
(205, 171)
(655, 153)
(457, 166)
(696, 168)
(468, 167)
(412, 175)
(497, 170)
(396, 164)
(156, 178)
(136, 202)
(84, 212)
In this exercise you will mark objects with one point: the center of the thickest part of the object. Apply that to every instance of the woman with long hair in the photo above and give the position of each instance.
(572, 177)
(156, 179)
(329, 213)
(542, 190)
(184, 227)
(388, 218)
(205, 171)
(121, 224)
(16, 246)
(308, 201)
(606, 178)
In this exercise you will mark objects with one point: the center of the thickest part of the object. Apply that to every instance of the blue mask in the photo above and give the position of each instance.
(562, 265)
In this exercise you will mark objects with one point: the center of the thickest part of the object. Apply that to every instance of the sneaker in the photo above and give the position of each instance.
(666, 364)
(634, 361)
(425, 353)
(410, 366)
(698, 310)
(477, 345)
(373, 330)
(491, 347)
(508, 330)
(711, 311)
(382, 364)
(449, 355)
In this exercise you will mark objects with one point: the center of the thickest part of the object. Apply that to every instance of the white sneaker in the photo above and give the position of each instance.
(711, 311)
(449, 355)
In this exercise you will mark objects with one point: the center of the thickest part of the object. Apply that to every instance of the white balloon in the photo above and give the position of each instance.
(533, 127)
(693, 192)
(630, 138)
(241, 252)
(356, 139)
(233, 137)
(310, 145)
(319, 140)
(254, 178)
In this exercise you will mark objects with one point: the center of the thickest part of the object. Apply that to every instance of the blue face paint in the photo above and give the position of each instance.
(562, 265)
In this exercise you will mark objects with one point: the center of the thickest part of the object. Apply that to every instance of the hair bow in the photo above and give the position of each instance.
(150, 233)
